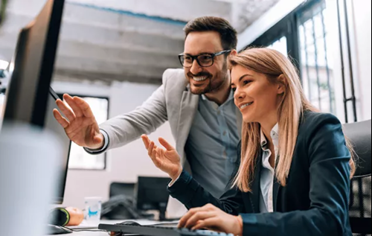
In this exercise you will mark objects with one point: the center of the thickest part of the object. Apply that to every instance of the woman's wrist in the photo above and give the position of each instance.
(176, 174)
(239, 220)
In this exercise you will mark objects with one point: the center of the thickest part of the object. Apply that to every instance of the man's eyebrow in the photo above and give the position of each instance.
(189, 54)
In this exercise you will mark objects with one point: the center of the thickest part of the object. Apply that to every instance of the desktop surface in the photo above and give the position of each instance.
(154, 227)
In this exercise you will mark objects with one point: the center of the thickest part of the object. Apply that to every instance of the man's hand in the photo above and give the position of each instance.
(80, 125)
(166, 159)
(212, 218)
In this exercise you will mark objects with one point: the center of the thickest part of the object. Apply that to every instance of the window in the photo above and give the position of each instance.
(2, 101)
(280, 45)
(317, 75)
(303, 36)
(79, 159)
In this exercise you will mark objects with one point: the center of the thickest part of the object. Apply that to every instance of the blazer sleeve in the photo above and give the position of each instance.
(192, 194)
(145, 119)
(329, 189)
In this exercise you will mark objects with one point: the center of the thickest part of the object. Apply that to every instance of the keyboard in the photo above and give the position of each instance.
(153, 230)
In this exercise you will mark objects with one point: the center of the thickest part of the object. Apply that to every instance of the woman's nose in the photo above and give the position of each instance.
(238, 94)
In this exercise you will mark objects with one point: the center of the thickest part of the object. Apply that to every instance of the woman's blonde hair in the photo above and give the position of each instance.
(278, 69)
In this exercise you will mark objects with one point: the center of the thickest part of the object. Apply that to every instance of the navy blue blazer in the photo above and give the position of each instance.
(316, 198)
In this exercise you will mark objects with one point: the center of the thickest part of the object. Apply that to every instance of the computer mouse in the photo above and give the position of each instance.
(131, 223)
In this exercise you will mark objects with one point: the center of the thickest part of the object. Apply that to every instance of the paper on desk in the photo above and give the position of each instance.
(86, 226)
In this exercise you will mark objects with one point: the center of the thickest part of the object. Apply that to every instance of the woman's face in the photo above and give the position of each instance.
(256, 97)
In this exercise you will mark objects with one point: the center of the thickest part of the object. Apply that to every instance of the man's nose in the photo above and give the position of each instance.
(195, 68)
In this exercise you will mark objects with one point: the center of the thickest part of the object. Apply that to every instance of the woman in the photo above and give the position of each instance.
(295, 167)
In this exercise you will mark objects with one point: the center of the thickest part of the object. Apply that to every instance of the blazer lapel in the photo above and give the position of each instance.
(256, 189)
(276, 188)
(189, 105)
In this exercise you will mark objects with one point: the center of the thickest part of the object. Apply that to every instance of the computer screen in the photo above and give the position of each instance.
(28, 97)
(152, 194)
(27, 94)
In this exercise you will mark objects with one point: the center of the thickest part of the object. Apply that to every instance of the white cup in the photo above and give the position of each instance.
(93, 210)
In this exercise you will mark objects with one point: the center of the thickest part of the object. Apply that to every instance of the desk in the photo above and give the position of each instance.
(90, 232)
(98, 233)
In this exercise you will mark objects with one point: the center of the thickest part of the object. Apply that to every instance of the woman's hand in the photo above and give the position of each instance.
(212, 218)
(76, 216)
(166, 159)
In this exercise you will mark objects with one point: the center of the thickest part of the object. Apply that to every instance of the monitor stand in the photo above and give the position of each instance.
(54, 229)
(162, 210)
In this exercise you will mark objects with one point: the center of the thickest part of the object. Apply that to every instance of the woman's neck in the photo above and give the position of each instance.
(267, 126)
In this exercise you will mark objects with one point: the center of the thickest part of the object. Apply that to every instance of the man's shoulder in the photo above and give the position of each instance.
(174, 77)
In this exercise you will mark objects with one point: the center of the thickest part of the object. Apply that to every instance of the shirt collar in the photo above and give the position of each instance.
(274, 136)
(231, 96)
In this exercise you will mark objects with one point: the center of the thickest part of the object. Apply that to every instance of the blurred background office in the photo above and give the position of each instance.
(113, 53)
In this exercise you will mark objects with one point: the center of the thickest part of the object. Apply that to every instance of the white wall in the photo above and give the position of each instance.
(361, 10)
(123, 164)
(266, 21)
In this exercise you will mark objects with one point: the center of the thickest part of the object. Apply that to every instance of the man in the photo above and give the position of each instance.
(197, 102)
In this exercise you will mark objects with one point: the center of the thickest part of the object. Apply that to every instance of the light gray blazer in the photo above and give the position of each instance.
(173, 102)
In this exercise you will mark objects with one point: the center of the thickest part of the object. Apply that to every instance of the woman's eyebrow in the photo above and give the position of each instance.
(242, 77)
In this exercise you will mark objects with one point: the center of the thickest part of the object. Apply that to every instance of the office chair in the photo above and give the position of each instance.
(117, 188)
(360, 136)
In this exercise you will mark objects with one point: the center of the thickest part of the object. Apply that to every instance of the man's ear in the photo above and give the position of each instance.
(282, 84)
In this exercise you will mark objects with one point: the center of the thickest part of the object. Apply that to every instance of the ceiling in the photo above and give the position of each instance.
(131, 40)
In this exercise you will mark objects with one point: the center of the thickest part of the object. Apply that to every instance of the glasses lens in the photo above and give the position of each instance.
(205, 60)
(186, 60)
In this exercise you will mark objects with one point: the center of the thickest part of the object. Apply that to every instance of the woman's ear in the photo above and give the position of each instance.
(282, 84)
(233, 52)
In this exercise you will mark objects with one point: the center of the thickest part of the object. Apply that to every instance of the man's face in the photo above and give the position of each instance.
(205, 79)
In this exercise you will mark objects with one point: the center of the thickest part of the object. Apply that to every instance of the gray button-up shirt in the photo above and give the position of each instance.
(211, 147)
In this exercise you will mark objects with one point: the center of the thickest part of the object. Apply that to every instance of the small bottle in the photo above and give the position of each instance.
(93, 210)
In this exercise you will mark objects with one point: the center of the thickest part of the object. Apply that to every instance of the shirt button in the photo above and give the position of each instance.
(224, 133)
(224, 154)
(218, 113)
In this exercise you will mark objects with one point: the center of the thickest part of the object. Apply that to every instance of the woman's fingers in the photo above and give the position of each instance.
(146, 141)
(165, 144)
(187, 216)
(199, 216)
(212, 223)
(151, 150)
(60, 119)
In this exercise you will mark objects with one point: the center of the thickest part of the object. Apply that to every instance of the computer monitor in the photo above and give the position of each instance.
(28, 91)
(52, 125)
(152, 194)
(29, 98)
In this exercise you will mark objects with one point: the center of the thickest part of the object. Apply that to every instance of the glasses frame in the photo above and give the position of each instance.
(213, 55)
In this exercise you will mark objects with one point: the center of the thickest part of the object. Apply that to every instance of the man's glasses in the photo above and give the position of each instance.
(204, 60)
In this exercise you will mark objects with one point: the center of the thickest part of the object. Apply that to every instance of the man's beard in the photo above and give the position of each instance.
(215, 82)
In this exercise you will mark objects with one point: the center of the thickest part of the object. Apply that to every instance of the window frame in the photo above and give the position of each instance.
(289, 27)
(108, 113)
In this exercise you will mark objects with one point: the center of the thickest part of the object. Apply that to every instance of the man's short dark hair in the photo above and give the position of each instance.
(228, 34)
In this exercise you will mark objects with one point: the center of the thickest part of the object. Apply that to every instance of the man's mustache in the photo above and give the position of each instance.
(199, 74)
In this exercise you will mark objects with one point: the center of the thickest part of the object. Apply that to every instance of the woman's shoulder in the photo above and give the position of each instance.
(316, 123)
(314, 119)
